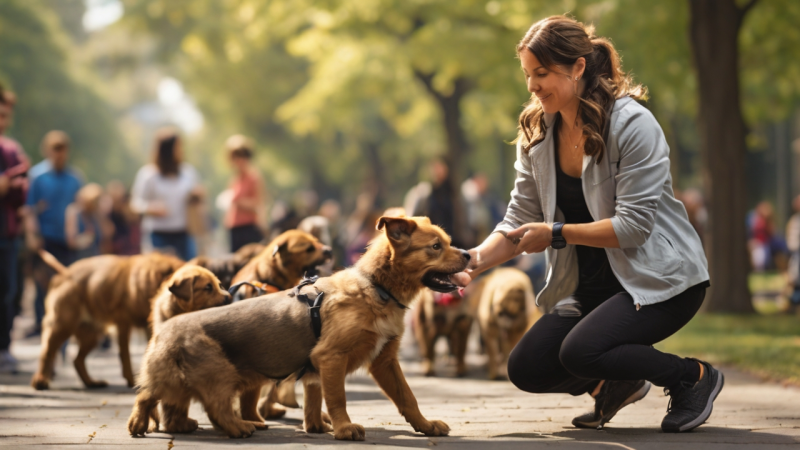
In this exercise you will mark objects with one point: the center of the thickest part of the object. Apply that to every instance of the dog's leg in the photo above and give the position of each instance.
(313, 421)
(285, 392)
(248, 403)
(332, 372)
(176, 417)
(88, 335)
(423, 342)
(53, 337)
(139, 421)
(460, 335)
(491, 340)
(219, 407)
(385, 369)
(124, 338)
(268, 406)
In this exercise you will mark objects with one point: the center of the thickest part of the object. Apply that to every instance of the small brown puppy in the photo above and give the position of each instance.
(215, 355)
(93, 293)
(226, 268)
(437, 315)
(190, 288)
(506, 310)
(283, 262)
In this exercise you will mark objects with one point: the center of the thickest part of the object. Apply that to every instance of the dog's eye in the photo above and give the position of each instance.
(437, 246)
(310, 249)
(209, 287)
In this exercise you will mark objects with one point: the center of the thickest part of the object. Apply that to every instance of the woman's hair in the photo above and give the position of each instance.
(560, 40)
(239, 146)
(164, 155)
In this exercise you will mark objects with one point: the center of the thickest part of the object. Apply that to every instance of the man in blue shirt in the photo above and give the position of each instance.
(48, 197)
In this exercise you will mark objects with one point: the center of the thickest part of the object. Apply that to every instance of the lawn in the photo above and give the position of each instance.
(768, 346)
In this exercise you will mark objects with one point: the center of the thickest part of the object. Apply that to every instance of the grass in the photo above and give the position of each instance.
(767, 346)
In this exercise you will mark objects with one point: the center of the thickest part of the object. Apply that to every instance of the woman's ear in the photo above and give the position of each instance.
(578, 68)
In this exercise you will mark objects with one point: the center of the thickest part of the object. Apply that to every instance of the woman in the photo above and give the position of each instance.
(626, 269)
(247, 195)
(161, 193)
(82, 224)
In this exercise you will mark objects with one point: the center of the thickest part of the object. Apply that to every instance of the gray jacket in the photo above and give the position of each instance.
(660, 254)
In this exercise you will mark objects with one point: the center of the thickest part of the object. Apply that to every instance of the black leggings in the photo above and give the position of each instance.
(587, 339)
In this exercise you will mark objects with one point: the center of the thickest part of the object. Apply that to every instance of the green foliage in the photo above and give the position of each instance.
(52, 94)
(764, 345)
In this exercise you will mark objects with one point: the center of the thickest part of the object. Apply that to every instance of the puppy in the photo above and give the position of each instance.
(436, 315)
(226, 268)
(190, 288)
(283, 262)
(214, 355)
(506, 310)
(93, 293)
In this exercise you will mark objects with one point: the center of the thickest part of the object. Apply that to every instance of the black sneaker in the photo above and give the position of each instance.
(692, 404)
(613, 396)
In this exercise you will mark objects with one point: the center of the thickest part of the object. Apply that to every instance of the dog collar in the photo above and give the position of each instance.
(385, 295)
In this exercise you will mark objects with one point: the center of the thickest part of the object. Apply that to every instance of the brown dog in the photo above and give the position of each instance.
(93, 293)
(227, 267)
(437, 315)
(190, 288)
(283, 262)
(506, 310)
(214, 355)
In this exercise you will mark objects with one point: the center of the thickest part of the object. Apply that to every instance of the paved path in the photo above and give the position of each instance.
(482, 414)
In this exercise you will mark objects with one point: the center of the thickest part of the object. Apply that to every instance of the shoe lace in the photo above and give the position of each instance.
(676, 398)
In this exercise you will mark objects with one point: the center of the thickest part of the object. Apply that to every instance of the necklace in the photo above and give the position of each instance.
(569, 141)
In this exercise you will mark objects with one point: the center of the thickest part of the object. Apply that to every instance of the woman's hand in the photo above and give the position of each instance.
(462, 279)
(533, 237)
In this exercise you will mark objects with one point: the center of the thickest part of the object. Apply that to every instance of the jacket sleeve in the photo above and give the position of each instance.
(524, 206)
(643, 170)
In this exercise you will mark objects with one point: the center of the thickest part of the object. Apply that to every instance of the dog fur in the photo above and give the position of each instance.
(432, 320)
(506, 310)
(216, 355)
(190, 288)
(226, 268)
(93, 293)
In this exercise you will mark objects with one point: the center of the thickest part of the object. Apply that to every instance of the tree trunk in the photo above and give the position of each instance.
(714, 32)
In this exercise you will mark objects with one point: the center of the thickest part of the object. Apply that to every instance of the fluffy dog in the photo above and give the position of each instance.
(283, 262)
(437, 315)
(215, 355)
(93, 293)
(226, 268)
(506, 310)
(190, 288)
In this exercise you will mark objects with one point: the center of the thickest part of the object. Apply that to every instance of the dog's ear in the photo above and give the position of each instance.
(183, 289)
(279, 248)
(397, 228)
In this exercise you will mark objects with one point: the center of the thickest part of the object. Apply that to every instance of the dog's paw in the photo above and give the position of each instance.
(435, 428)
(40, 383)
(322, 427)
(138, 425)
(97, 384)
(187, 425)
(241, 429)
(350, 432)
(259, 425)
(272, 411)
(326, 418)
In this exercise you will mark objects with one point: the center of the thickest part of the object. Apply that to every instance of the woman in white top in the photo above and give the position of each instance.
(162, 192)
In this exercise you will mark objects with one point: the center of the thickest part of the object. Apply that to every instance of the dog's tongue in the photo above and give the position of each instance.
(460, 279)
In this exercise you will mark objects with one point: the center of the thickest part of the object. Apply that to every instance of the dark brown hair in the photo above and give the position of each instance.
(164, 154)
(561, 40)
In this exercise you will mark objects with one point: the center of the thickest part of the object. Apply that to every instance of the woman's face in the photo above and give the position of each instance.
(556, 88)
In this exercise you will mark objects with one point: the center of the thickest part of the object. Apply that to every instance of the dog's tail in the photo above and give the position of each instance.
(51, 261)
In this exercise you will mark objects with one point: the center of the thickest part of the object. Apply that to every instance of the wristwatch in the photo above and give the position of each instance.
(558, 241)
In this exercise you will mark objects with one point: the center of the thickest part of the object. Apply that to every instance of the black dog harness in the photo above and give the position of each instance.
(313, 305)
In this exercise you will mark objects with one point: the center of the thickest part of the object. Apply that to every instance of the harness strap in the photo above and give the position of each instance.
(261, 288)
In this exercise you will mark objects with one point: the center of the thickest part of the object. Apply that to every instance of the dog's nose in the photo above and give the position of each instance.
(228, 299)
(465, 254)
(327, 251)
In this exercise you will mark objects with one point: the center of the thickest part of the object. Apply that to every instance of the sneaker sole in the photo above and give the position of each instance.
(709, 407)
(633, 398)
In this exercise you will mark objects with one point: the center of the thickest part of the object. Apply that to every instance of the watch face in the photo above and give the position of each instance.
(558, 243)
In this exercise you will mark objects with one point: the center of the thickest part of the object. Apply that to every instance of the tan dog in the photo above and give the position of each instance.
(506, 310)
(437, 315)
(190, 288)
(283, 262)
(215, 355)
(93, 293)
(227, 267)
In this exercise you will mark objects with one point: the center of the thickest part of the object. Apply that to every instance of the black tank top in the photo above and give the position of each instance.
(595, 274)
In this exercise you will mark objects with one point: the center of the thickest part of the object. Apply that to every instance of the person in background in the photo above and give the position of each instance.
(50, 194)
(162, 191)
(124, 235)
(248, 200)
(13, 189)
(83, 224)
(793, 245)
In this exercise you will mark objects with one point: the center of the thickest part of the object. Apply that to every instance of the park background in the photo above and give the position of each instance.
(343, 96)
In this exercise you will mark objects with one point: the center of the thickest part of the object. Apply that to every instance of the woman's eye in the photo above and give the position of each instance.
(437, 246)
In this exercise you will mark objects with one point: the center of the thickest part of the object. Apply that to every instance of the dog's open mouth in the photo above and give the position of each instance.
(439, 282)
